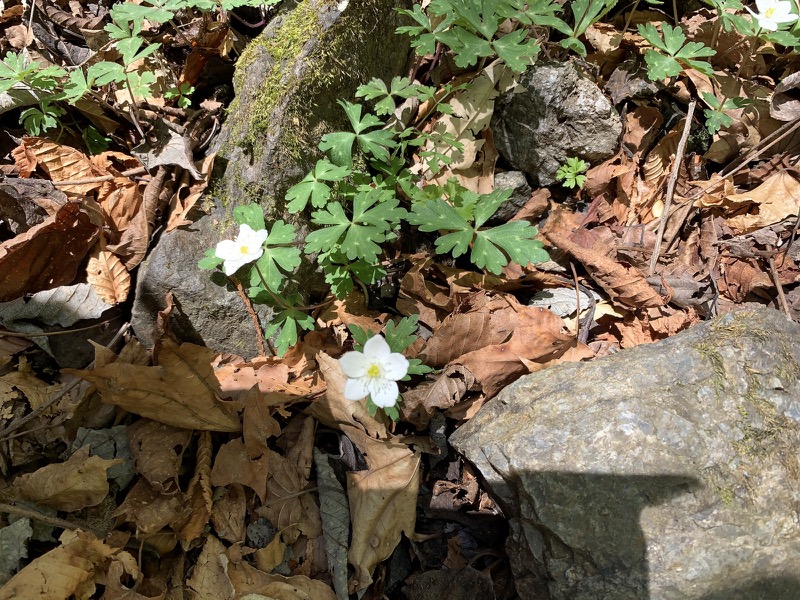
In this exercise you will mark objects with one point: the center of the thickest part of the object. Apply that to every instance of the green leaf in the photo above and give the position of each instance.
(277, 259)
(660, 67)
(402, 334)
(488, 204)
(515, 238)
(312, 188)
(435, 215)
(39, 120)
(210, 260)
(339, 146)
(250, 214)
(288, 321)
(516, 54)
(106, 72)
(467, 47)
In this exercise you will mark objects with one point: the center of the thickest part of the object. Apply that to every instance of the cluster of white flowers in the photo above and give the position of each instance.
(375, 371)
(246, 248)
(773, 13)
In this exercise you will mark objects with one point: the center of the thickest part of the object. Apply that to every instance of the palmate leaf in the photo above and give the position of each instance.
(516, 54)
(289, 321)
(278, 258)
(467, 47)
(339, 144)
(312, 188)
(515, 238)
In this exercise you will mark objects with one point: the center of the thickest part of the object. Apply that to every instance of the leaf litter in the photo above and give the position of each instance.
(231, 476)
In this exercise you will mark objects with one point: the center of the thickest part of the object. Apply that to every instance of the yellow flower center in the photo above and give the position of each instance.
(770, 12)
(244, 249)
(374, 371)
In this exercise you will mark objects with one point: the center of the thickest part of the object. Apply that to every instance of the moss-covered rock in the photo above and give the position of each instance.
(287, 85)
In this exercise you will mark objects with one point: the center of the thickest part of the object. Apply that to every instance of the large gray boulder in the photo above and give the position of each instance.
(560, 114)
(667, 471)
(287, 84)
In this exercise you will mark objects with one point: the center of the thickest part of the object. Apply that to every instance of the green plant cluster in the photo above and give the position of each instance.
(56, 86)
(362, 192)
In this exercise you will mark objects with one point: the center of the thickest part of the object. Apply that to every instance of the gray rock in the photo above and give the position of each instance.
(561, 114)
(511, 180)
(287, 83)
(668, 471)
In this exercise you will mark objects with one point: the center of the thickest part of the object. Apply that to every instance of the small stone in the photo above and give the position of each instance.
(560, 114)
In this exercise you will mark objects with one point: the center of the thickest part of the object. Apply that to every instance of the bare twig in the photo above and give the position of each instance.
(29, 513)
(777, 281)
(262, 350)
(679, 153)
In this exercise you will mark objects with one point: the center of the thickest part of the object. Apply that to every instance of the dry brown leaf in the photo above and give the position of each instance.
(62, 573)
(36, 260)
(659, 160)
(108, 276)
(537, 338)
(157, 451)
(449, 387)
(79, 482)
(229, 514)
(625, 285)
(187, 195)
(36, 391)
(124, 568)
(198, 494)
(288, 506)
(25, 160)
(382, 503)
(249, 580)
(775, 199)
(210, 576)
(641, 128)
(151, 510)
(181, 391)
(63, 163)
(233, 465)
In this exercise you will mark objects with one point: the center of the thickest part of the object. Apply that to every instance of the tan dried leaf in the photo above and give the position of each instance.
(210, 576)
(63, 163)
(61, 573)
(382, 503)
(108, 276)
(254, 583)
(79, 482)
(181, 391)
(289, 506)
(659, 159)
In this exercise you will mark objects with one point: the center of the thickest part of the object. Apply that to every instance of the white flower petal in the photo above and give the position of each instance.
(383, 392)
(354, 364)
(356, 389)
(395, 366)
(225, 249)
(376, 347)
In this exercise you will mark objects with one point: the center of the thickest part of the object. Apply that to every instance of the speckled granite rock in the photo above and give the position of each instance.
(667, 471)
(559, 115)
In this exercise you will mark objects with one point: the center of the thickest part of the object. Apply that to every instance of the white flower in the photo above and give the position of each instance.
(247, 247)
(773, 13)
(375, 372)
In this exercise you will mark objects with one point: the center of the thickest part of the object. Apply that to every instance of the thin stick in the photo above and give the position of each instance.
(687, 127)
(577, 300)
(14, 425)
(262, 350)
(28, 513)
(776, 280)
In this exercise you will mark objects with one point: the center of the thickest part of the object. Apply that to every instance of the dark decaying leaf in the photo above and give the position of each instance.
(48, 255)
